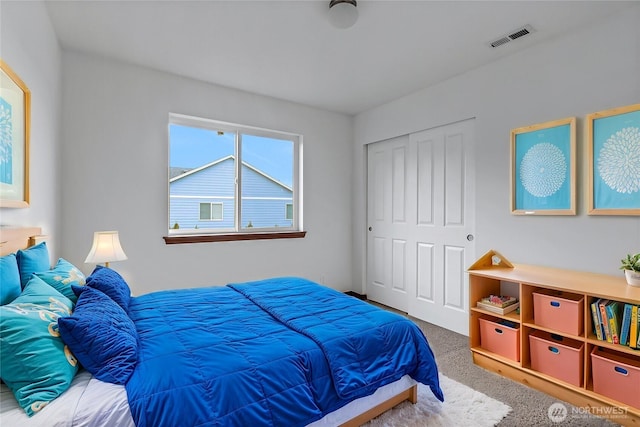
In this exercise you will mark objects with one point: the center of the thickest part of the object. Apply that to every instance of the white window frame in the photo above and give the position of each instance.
(238, 129)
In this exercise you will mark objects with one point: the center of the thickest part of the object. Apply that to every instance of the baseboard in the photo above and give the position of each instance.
(357, 295)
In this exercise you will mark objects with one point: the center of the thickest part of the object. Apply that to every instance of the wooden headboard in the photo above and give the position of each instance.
(14, 238)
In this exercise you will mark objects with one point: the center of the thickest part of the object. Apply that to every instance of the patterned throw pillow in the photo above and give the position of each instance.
(32, 260)
(34, 362)
(9, 279)
(62, 277)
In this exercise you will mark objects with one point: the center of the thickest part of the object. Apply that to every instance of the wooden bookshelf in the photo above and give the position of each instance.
(485, 278)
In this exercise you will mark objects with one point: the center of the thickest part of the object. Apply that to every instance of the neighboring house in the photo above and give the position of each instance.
(204, 197)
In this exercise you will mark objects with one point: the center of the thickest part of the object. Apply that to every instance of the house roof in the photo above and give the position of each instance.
(184, 172)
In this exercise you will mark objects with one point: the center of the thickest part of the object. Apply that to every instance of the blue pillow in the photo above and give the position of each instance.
(102, 336)
(34, 362)
(62, 277)
(110, 283)
(32, 260)
(10, 286)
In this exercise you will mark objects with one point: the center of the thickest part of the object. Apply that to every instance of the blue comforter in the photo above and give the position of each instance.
(278, 352)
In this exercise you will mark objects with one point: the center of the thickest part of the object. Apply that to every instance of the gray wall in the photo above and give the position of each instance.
(590, 70)
(29, 46)
(114, 176)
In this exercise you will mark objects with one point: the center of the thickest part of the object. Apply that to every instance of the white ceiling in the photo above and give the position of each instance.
(288, 49)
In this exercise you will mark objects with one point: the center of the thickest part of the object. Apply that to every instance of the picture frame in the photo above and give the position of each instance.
(15, 124)
(614, 161)
(543, 168)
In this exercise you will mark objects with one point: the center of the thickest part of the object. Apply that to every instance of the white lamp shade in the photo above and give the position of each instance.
(343, 13)
(106, 248)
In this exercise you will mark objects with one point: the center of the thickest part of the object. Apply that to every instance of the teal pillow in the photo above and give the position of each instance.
(32, 260)
(9, 279)
(34, 362)
(62, 276)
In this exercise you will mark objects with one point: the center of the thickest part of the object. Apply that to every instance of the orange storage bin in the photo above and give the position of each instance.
(557, 356)
(500, 338)
(616, 375)
(560, 311)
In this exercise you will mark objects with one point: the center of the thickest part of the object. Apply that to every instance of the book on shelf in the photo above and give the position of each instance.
(499, 304)
(613, 314)
(626, 324)
(605, 320)
(633, 332)
(597, 322)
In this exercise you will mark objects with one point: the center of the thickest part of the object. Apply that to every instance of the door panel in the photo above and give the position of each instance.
(399, 262)
(425, 282)
(387, 218)
(424, 192)
(454, 277)
(454, 180)
(399, 183)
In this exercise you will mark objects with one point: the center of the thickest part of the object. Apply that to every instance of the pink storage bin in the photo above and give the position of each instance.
(500, 338)
(616, 376)
(559, 311)
(557, 356)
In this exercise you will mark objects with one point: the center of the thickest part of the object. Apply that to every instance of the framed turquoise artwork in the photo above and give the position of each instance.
(543, 168)
(15, 108)
(614, 161)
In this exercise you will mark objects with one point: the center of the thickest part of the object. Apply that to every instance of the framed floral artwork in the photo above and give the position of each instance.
(15, 110)
(614, 161)
(543, 168)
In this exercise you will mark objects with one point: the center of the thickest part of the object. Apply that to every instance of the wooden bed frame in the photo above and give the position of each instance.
(410, 394)
(14, 238)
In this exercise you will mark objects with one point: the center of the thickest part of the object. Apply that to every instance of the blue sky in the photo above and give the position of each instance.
(193, 147)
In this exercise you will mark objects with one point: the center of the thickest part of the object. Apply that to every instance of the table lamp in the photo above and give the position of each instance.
(106, 248)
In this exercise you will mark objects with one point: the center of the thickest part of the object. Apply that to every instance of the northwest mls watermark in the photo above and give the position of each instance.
(558, 412)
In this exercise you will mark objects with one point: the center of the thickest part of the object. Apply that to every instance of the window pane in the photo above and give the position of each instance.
(216, 211)
(202, 167)
(289, 213)
(205, 211)
(267, 181)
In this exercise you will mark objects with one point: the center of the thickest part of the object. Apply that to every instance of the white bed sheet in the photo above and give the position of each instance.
(87, 403)
(92, 403)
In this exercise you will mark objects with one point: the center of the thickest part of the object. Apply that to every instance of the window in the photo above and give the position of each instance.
(211, 212)
(232, 179)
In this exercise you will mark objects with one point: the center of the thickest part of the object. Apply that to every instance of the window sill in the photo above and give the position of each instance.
(231, 237)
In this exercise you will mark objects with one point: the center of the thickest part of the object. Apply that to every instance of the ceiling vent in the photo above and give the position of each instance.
(513, 35)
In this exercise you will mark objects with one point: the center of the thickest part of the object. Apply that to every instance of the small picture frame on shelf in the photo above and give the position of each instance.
(543, 168)
(614, 161)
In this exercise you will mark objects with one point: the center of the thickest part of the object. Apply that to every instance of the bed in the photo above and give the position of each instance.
(280, 351)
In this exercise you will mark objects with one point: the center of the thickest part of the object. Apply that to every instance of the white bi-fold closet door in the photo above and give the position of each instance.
(420, 213)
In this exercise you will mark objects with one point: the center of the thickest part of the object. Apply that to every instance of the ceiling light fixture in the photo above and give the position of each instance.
(343, 13)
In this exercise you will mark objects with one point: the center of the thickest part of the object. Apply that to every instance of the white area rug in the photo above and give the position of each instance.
(463, 406)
